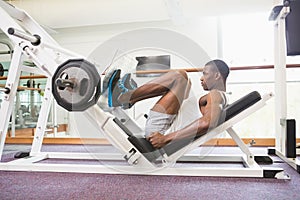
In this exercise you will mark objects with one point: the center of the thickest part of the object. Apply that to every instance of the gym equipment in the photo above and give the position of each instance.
(2, 70)
(33, 39)
(6, 52)
(61, 68)
(6, 90)
(76, 85)
(231, 69)
(285, 146)
(26, 77)
(47, 56)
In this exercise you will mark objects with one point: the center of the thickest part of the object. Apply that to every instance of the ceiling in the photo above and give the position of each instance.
(74, 13)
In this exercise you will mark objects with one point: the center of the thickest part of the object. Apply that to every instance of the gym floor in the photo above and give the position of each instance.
(46, 185)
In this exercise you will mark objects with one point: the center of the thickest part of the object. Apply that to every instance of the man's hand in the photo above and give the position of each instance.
(157, 139)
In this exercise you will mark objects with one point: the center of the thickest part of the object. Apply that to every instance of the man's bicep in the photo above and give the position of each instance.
(215, 102)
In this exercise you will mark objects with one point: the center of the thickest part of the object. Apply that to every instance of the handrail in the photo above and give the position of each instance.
(23, 88)
(231, 68)
(168, 70)
(26, 77)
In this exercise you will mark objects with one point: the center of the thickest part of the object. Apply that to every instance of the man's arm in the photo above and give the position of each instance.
(211, 112)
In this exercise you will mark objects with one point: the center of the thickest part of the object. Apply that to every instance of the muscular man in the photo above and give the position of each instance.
(174, 88)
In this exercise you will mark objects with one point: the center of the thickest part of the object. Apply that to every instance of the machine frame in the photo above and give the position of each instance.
(278, 15)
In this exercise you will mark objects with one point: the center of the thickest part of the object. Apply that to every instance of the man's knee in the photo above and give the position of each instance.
(180, 74)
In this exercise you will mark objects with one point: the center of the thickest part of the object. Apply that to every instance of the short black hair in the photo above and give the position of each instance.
(221, 66)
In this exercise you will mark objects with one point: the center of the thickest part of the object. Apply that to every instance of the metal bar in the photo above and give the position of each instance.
(186, 69)
(6, 52)
(65, 83)
(280, 79)
(242, 145)
(85, 156)
(42, 120)
(23, 35)
(5, 90)
(119, 169)
(211, 158)
(19, 88)
(26, 77)
(7, 104)
(231, 68)
(293, 162)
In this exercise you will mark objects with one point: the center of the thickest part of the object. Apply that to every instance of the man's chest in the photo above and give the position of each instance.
(202, 103)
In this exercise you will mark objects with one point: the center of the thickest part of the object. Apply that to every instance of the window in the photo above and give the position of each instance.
(247, 39)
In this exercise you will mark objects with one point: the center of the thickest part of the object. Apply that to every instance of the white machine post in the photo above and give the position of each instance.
(42, 120)
(280, 53)
(8, 102)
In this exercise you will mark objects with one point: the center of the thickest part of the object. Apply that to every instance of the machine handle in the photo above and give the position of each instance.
(34, 39)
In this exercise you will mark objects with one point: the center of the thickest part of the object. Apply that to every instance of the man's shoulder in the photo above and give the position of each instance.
(214, 92)
(211, 93)
(216, 95)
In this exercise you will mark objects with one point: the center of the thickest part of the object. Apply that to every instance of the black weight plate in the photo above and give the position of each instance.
(80, 97)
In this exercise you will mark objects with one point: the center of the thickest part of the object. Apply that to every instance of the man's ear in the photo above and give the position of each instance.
(218, 75)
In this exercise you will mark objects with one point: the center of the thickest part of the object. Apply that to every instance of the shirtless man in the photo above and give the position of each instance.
(174, 88)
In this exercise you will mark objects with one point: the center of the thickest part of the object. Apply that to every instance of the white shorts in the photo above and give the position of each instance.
(165, 123)
(158, 122)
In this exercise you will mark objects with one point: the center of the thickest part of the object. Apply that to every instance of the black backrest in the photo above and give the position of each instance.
(238, 106)
(229, 112)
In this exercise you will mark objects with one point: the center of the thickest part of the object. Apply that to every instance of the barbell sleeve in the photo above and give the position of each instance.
(65, 83)
(34, 39)
(5, 90)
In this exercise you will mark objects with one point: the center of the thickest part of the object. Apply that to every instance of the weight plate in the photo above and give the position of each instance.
(86, 90)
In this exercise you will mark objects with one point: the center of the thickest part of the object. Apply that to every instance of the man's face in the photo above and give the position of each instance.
(209, 77)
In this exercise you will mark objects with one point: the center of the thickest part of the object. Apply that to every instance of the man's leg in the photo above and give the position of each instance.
(173, 86)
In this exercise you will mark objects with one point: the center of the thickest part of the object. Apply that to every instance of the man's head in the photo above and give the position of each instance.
(215, 73)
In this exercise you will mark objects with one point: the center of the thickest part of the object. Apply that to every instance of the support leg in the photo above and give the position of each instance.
(8, 103)
(242, 145)
(42, 121)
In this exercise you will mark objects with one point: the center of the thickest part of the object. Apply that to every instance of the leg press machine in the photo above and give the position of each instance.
(58, 65)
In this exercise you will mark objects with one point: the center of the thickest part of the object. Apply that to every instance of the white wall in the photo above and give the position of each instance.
(76, 13)
(85, 39)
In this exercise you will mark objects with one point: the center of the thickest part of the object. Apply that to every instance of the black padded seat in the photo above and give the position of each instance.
(145, 147)
(141, 143)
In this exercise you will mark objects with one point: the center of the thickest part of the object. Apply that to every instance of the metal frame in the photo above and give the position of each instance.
(280, 53)
(46, 56)
(140, 165)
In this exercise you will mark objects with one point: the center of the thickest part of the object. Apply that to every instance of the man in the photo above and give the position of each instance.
(174, 88)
